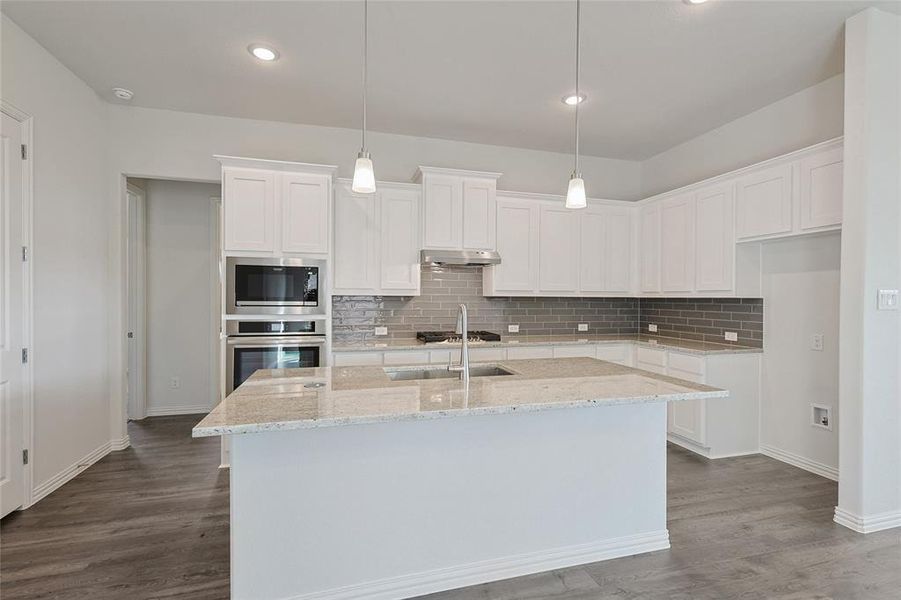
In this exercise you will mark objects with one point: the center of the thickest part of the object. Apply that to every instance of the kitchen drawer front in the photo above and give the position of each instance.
(486, 354)
(575, 351)
(687, 363)
(357, 359)
(530, 352)
(621, 354)
(443, 357)
(407, 358)
(651, 356)
(686, 375)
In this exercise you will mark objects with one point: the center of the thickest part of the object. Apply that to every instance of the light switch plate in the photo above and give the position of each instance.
(381, 331)
(652, 327)
(731, 336)
(583, 326)
(512, 328)
(888, 300)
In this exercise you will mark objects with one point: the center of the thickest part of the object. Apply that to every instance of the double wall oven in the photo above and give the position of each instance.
(278, 317)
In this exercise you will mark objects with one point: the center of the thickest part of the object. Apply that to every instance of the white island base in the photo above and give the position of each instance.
(399, 509)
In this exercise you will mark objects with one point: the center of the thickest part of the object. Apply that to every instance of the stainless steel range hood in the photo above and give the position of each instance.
(469, 258)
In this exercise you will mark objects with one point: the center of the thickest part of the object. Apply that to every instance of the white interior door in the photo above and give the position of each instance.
(12, 318)
(137, 408)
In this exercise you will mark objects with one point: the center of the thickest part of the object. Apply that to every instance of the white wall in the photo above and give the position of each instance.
(178, 145)
(800, 288)
(180, 234)
(70, 254)
(810, 116)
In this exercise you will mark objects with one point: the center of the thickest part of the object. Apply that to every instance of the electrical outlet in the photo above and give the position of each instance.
(175, 383)
(381, 331)
(512, 328)
(583, 326)
(652, 327)
(816, 342)
(731, 336)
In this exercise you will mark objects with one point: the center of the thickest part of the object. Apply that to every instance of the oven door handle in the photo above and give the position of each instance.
(275, 341)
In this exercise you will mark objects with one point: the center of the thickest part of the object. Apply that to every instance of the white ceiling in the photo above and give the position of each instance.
(656, 73)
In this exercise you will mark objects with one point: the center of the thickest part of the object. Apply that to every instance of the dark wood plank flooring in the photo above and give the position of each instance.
(152, 522)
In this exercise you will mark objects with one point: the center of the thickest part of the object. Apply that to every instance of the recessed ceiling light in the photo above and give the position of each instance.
(694, 1)
(572, 99)
(123, 94)
(263, 52)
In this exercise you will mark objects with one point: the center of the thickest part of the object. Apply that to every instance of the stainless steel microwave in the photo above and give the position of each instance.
(274, 286)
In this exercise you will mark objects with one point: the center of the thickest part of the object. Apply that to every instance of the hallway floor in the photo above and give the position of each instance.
(152, 522)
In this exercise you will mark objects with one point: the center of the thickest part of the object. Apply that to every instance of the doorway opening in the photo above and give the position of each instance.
(173, 297)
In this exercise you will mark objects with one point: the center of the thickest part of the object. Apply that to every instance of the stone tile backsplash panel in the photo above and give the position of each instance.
(354, 318)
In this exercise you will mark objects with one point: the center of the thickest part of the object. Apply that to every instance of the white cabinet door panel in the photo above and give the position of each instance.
(821, 189)
(249, 210)
(356, 266)
(517, 243)
(618, 353)
(763, 202)
(677, 244)
(593, 258)
(443, 212)
(479, 214)
(407, 358)
(357, 359)
(575, 351)
(530, 352)
(618, 251)
(558, 248)
(484, 354)
(649, 234)
(399, 240)
(304, 212)
(715, 255)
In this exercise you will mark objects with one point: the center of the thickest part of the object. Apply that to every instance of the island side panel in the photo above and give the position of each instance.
(395, 510)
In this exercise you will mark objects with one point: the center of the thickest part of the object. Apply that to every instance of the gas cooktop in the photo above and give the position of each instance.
(430, 337)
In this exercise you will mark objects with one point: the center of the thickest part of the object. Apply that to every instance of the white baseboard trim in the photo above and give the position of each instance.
(801, 462)
(120, 444)
(867, 524)
(54, 483)
(418, 584)
(705, 451)
(164, 411)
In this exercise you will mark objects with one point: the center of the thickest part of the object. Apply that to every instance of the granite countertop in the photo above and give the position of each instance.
(690, 346)
(285, 399)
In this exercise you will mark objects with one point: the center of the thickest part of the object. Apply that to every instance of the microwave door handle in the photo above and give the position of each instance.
(274, 341)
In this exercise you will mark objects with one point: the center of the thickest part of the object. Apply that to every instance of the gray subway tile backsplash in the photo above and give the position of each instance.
(354, 318)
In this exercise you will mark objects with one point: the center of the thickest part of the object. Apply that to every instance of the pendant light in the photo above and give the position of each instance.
(364, 175)
(575, 193)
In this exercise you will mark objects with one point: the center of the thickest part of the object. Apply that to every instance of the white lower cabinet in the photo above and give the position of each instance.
(530, 352)
(575, 351)
(617, 353)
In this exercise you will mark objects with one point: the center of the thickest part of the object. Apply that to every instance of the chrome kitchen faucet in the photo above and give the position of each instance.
(463, 330)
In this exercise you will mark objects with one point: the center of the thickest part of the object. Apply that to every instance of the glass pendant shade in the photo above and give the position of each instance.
(364, 176)
(575, 194)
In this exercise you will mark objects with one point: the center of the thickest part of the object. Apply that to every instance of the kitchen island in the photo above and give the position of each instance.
(365, 482)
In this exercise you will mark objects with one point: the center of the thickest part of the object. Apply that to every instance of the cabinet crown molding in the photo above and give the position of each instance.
(275, 165)
(421, 170)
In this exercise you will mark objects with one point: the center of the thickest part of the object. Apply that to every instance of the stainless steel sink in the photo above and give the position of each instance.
(411, 374)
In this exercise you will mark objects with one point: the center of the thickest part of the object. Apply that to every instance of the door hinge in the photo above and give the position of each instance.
(25, 456)
(24, 152)
(24, 355)
(24, 253)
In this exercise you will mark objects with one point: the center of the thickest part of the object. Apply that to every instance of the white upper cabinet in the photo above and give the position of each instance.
(593, 241)
(459, 209)
(305, 201)
(821, 189)
(377, 241)
(274, 207)
(517, 243)
(677, 244)
(649, 245)
(558, 249)
(249, 206)
(763, 202)
(356, 266)
(400, 240)
(715, 248)
(479, 200)
(605, 259)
